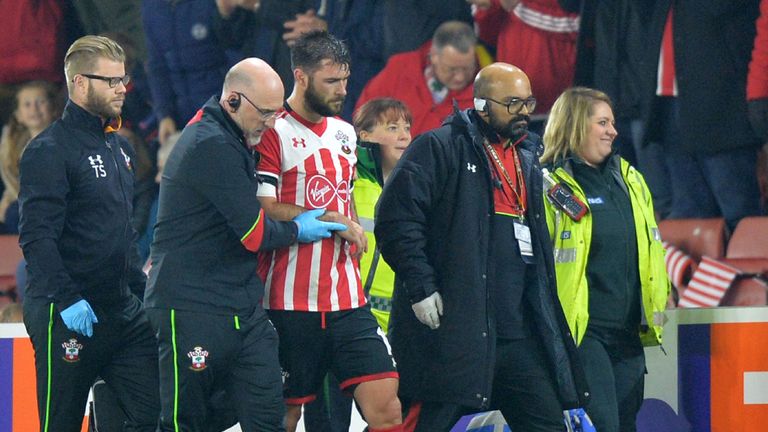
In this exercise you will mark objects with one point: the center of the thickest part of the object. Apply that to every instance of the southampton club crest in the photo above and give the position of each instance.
(198, 356)
(71, 351)
(127, 160)
(344, 140)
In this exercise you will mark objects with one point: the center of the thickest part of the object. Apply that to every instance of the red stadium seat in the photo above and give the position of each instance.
(746, 292)
(697, 237)
(750, 239)
(748, 251)
(748, 247)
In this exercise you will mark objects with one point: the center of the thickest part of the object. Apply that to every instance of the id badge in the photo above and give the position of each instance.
(523, 236)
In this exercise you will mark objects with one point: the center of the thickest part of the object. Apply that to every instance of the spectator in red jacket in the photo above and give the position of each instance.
(33, 42)
(537, 36)
(428, 79)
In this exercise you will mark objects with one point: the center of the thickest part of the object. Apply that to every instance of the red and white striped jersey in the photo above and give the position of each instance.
(709, 284)
(312, 166)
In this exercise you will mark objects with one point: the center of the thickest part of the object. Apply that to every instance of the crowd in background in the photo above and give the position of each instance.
(683, 84)
(684, 91)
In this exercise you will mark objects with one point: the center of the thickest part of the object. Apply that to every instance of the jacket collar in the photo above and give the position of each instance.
(215, 111)
(76, 116)
(485, 128)
(369, 161)
(478, 130)
(467, 120)
(613, 164)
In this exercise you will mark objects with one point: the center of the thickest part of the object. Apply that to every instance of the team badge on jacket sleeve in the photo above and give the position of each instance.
(71, 351)
(198, 356)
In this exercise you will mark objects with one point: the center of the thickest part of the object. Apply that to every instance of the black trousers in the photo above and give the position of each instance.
(204, 355)
(523, 390)
(614, 363)
(523, 387)
(331, 411)
(122, 351)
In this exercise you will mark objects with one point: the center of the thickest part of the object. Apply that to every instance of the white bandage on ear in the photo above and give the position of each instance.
(480, 104)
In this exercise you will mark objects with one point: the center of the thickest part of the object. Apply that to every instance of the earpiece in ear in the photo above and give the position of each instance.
(480, 104)
(234, 102)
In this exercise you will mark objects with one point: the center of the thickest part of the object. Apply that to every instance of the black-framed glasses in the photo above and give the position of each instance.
(112, 81)
(515, 105)
(266, 115)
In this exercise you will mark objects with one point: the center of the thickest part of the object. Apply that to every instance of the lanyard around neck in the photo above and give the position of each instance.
(517, 189)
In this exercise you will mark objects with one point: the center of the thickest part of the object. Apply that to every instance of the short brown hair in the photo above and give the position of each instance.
(457, 34)
(83, 54)
(380, 110)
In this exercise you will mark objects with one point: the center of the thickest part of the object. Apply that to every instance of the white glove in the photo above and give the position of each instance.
(429, 310)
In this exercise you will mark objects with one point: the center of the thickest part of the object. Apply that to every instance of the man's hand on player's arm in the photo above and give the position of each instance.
(354, 234)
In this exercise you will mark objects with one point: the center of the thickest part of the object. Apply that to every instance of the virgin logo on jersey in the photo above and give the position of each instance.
(321, 191)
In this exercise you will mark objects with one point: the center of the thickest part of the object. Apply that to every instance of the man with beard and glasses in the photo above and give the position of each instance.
(476, 323)
(82, 309)
(313, 291)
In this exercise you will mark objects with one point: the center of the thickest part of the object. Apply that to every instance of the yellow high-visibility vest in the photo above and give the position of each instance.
(377, 276)
(571, 242)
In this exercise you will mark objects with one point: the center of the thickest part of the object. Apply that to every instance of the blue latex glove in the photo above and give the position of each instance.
(80, 318)
(312, 230)
(578, 421)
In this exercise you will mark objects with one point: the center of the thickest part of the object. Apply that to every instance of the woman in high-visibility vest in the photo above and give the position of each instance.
(383, 127)
(609, 259)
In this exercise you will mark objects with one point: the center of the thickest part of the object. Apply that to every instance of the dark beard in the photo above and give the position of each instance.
(316, 104)
(99, 107)
(510, 130)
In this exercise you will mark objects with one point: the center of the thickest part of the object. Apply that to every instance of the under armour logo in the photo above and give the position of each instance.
(97, 165)
(298, 142)
(471, 167)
